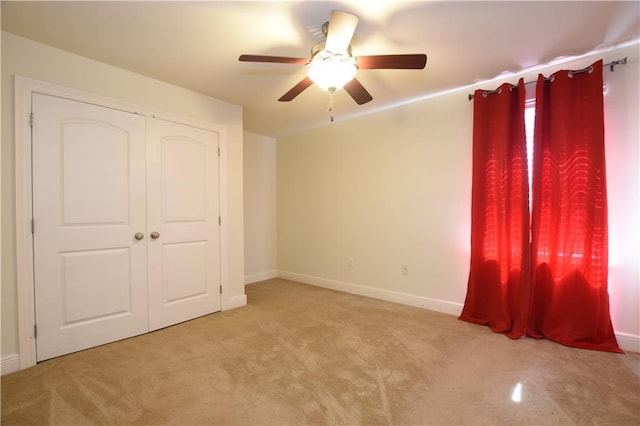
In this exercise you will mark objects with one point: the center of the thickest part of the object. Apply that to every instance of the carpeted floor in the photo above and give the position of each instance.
(298, 355)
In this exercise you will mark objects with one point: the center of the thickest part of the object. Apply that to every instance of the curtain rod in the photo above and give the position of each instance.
(611, 66)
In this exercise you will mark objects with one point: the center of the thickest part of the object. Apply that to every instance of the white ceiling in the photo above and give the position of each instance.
(196, 45)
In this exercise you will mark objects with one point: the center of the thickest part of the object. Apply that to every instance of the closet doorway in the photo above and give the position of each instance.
(126, 235)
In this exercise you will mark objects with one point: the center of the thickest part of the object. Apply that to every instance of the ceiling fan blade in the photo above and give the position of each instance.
(296, 90)
(276, 59)
(406, 62)
(342, 25)
(358, 92)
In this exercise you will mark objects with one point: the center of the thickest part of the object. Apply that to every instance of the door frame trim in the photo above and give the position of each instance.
(24, 88)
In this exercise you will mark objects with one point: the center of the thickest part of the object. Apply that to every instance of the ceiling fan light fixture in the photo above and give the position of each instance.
(332, 71)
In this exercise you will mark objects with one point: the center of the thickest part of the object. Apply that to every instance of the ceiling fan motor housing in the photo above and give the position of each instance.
(320, 46)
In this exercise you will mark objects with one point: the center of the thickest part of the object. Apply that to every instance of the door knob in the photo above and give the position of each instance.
(139, 236)
(155, 235)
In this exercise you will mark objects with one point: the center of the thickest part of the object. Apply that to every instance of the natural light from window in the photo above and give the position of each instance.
(529, 119)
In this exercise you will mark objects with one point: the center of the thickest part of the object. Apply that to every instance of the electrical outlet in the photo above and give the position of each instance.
(350, 262)
(405, 269)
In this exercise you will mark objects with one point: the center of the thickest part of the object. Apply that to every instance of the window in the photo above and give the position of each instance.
(529, 122)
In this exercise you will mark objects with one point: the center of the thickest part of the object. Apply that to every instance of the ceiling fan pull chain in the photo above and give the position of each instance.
(331, 105)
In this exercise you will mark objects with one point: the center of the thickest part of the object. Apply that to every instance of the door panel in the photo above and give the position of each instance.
(89, 200)
(103, 149)
(184, 167)
(183, 208)
(96, 284)
(185, 271)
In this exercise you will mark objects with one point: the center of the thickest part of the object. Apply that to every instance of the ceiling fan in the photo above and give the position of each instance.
(332, 66)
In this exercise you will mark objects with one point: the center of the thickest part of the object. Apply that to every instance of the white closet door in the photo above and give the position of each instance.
(88, 203)
(183, 210)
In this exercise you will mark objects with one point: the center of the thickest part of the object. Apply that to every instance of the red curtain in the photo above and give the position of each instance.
(569, 298)
(548, 277)
(500, 212)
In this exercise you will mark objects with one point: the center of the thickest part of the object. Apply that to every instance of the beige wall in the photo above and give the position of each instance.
(260, 237)
(386, 189)
(394, 188)
(29, 59)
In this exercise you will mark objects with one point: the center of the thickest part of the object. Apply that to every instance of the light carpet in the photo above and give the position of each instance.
(302, 355)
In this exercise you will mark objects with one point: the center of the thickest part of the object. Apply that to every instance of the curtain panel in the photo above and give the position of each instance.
(570, 302)
(499, 212)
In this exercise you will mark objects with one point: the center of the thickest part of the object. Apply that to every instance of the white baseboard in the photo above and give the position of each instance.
(436, 305)
(261, 276)
(10, 364)
(234, 302)
(626, 341)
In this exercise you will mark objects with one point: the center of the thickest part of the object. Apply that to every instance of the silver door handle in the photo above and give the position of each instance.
(155, 235)
(139, 236)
